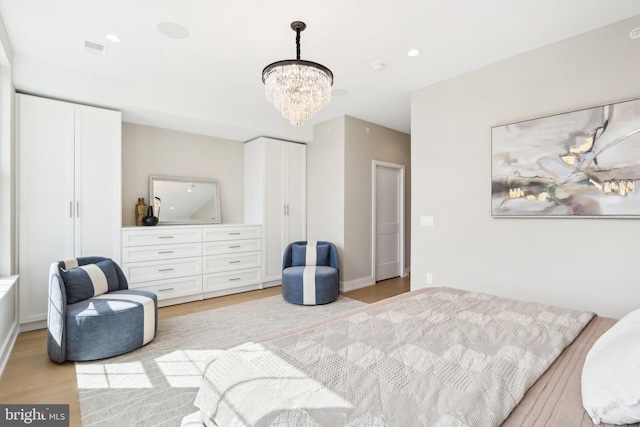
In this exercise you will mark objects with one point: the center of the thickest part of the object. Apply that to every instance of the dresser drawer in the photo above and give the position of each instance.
(218, 263)
(172, 288)
(231, 233)
(230, 279)
(156, 270)
(160, 252)
(158, 236)
(233, 246)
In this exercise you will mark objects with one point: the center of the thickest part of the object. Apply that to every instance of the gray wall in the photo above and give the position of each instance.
(153, 151)
(581, 263)
(325, 184)
(339, 165)
(361, 148)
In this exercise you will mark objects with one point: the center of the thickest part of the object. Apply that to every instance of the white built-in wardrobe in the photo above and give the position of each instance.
(70, 192)
(275, 195)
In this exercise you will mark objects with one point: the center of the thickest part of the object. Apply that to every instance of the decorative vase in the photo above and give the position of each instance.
(141, 210)
(150, 219)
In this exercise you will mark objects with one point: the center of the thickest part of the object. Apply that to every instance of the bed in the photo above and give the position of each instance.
(430, 357)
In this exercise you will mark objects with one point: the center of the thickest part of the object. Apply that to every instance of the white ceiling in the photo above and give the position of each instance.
(210, 82)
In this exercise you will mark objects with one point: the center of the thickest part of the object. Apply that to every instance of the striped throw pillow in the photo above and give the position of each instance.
(86, 281)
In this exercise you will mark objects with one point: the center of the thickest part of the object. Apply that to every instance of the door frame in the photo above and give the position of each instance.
(374, 167)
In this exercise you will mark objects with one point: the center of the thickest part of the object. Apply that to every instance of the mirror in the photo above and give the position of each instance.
(185, 200)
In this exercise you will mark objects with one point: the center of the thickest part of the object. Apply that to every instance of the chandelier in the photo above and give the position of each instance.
(297, 88)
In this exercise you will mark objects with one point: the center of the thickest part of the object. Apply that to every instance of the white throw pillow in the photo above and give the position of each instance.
(611, 374)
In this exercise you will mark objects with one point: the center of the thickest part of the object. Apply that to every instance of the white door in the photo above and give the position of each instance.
(295, 188)
(389, 221)
(274, 212)
(46, 199)
(98, 183)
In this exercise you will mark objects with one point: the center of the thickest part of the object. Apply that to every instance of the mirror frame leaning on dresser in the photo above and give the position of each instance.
(184, 263)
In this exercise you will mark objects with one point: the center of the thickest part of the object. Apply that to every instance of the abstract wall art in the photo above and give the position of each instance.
(583, 163)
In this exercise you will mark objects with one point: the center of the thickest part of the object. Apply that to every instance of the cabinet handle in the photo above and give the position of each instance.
(234, 279)
(165, 290)
(165, 237)
(77, 209)
(234, 262)
(165, 252)
(166, 269)
(234, 247)
(70, 209)
(287, 209)
(234, 234)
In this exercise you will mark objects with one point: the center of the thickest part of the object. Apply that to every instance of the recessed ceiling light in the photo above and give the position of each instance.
(377, 66)
(112, 38)
(635, 33)
(173, 30)
(414, 52)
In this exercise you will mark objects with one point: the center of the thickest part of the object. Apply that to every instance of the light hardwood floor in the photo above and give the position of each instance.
(31, 378)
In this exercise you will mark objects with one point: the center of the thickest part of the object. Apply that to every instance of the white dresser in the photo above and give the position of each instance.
(191, 262)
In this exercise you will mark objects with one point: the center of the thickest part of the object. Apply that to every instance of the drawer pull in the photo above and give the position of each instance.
(165, 290)
(166, 269)
(165, 237)
(234, 279)
(234, 262)
(234, 247)
(165, 252)
(234, 234)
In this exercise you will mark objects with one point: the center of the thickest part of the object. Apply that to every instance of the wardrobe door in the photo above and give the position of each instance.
(274, 210)
(98, 184)
(46, 207)
(295, 188)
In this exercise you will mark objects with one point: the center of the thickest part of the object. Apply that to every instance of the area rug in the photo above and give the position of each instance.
(157, 384)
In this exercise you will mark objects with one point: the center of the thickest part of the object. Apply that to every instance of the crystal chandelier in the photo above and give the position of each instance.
(297, 88)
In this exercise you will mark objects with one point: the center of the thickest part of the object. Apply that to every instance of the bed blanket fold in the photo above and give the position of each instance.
(431, 357)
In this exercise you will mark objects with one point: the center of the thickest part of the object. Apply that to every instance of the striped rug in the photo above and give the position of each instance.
(157, 384)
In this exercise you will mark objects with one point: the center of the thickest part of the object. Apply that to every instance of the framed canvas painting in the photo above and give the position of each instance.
(583, 163)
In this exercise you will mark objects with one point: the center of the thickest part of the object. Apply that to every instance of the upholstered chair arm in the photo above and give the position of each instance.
(287, 257)
(333, 256)
(56, 340)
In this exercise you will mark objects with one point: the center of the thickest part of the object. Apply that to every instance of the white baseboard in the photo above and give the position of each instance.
(32, 326)
(7, 346)
(352, 285)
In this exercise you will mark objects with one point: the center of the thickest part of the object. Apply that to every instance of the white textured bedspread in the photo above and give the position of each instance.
(432, 357)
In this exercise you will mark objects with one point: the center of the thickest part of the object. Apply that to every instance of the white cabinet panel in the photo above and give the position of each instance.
(69, 191)
(275, 195)
(151, 253)
(214, 234)
(230, 279)
(160, 236)
(216, 263)
(232, 246)
(164, 269)
(172, 288)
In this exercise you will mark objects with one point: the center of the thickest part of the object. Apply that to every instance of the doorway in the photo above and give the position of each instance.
(387, 211)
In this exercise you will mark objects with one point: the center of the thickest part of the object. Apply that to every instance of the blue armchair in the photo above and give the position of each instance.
(92, 314)
(310, 273)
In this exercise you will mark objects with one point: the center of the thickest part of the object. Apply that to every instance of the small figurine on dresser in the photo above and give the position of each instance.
(156, 206)
(141, 210)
